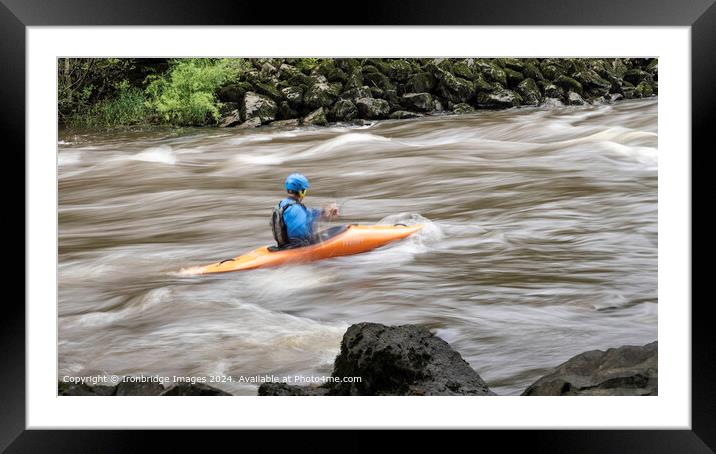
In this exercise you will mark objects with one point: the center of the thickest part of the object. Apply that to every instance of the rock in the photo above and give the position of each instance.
(552, 71)
(422, 82)
(234, 92)
(129, 388)
(462, 108)
(437, 105)
(400, 70)
(233, 118)
(197, 389)
(569, 84)
(317, 117)
(529, 91)
(226, 108)
(498, 99)
(250, 123)
(653, 68)
(573, 99)
(531, 71)
(376, 79)
(258, 107)
(553, 91)
(404, 114)
(623, 371)
(355, 79)
(355, 93)
(82, 389)
(285, 111)
(402, 360)
(491, 71)
(464, 70)
(513, 77)
(592, 83)
(394, 360)
(635, 76)
(286, 71)
(421, 102)
(643, 90)
(294, 96)
(455, 89)
(291, 123)
(481, 84)
(372, 108)
(616, 97)
(393, 99)
(283, 389)
(344, 110)
(321, 93)
(513, 64)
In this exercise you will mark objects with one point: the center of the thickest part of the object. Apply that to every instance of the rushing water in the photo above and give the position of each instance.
(541, 242)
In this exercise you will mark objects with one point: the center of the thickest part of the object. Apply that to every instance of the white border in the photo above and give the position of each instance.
(671, 409)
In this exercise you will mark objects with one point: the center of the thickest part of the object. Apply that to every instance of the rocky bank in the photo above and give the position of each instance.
(285, 92)
(408, 360)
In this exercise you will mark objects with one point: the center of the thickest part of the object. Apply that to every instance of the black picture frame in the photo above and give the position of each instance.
(16, 15)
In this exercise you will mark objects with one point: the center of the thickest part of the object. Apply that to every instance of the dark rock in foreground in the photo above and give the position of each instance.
(138, 388)
(394, 360)
(623, 371)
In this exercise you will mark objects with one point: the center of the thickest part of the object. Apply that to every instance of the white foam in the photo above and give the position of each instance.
(162, 154)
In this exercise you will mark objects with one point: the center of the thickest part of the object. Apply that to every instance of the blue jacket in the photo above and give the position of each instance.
(299, 220)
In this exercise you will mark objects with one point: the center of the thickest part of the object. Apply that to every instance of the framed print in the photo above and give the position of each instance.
(409, 221)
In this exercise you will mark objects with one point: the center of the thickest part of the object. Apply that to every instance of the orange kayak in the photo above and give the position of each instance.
(334, 242)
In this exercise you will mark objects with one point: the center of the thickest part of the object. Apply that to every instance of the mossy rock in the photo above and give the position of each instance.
(400, 70)
(422, 102)
(258, 108)
(573, 99)
(374, 79)
(422, 82)
(344, 110)
(514, 64)
(643, 90)
(553, 91)
(269, 90)
(635, 76)
(355, 79)
(462, 108)
(513, 77)
(300, 79)
(294, 95)
(393, 99)
(321, 93)
(380, 64)
(285, 111)
(569, 83)
(464, 70)
(592, 83)
(348, 65)
(317, 117)
(404, 114)
(234, 92)
(531, 71)
(499, 99)
(530, 92)
(371, 108)
(455, 89)
(491, 71)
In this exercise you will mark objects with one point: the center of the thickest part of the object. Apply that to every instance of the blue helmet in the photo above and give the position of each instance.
(297, 182)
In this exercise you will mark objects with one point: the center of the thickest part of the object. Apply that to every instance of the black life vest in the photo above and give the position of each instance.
(278, 225)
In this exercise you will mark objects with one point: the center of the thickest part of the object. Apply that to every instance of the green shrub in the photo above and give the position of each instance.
(186, 94)
(126, 108)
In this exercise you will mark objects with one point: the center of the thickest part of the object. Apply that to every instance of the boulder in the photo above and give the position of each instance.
(623, 371)
(400, 70)
(455, 89)
(635, 76)
(129, 388)
(491, 71)
(344, 110)
(529, 91)
(233, 118)
(317, 117)
(498, 99)
(196, 389)
(234, 92)
(573, 99)
(294, 96)
(372, 108)
(394, 360)
(420, 102)
(462, 108)
(513, 77)
(569, 83)
(259, 107)
(355, 93)
(553, 91)
(422, 82)
(404, 114)
(643, 90)
(321, 93)
(593, 83)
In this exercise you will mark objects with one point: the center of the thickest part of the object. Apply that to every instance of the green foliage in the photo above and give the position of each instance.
(186, 94)
(127, 108)
(307, 64)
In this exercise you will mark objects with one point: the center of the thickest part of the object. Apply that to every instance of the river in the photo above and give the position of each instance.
(540, 242)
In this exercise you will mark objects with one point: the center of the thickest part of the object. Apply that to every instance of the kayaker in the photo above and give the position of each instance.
(292, 222)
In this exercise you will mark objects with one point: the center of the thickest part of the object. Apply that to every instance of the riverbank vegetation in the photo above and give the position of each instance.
(234, 92)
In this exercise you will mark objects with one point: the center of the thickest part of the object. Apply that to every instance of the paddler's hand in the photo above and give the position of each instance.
(330, 211)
